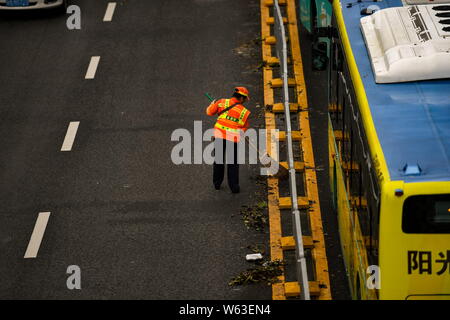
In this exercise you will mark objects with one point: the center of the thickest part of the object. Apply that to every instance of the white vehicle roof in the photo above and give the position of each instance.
(409, 43)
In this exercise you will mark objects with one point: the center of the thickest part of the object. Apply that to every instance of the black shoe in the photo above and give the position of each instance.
(235, 190)
(217, 186)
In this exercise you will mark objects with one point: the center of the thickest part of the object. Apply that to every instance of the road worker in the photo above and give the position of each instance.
(232, 121)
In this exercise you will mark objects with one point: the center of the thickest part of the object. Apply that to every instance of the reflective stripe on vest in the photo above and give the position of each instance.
(220, 126)
(225, 115)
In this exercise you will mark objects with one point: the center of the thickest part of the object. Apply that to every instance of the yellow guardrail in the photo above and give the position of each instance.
(319, 286)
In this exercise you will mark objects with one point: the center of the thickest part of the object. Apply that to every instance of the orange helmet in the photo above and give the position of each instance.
(242, 91)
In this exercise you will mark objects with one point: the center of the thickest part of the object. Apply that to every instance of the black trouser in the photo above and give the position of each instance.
(224, 155)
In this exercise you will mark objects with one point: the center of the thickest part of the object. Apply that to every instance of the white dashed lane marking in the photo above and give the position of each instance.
(70, 136)
(109, 12)
(92, 69)
(37, 235)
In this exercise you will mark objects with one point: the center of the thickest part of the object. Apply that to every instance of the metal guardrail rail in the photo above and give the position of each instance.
(281, 50)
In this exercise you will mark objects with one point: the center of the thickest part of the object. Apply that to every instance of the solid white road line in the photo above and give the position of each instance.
(37, 235)
(92, 69)
(109, 12)
(70, 136)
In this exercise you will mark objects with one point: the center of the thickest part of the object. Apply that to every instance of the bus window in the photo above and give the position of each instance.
(442, 212)
(362, 187)
(426, 214)
(334, 86)
(373, 204)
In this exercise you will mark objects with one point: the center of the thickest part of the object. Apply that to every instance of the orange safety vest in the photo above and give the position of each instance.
(231, 123)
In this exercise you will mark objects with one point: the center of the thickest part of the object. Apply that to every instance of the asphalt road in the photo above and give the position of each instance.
(137, 225)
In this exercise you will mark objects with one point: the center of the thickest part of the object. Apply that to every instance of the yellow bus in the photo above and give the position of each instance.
(389, 146)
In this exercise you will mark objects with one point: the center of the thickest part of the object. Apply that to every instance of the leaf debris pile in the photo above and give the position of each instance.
(255, 217)
(265, 272)
(257, 248)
